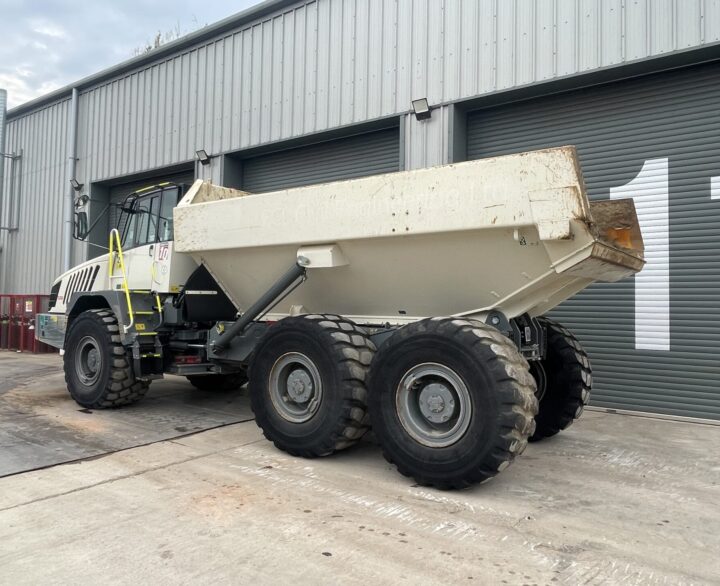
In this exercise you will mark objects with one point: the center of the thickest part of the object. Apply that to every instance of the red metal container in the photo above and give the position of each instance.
(17, 322)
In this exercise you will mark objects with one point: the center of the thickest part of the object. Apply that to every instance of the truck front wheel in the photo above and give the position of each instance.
(451, 401)
(97, 371)
(565, 379)
(307, 384)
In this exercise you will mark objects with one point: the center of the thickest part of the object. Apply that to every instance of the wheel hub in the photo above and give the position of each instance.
(299, 385)
(92, 360)
(436, 402)
(295, 387)
(88, 361)
(433, 405)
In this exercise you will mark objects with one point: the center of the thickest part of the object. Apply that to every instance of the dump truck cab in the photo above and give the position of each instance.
(138, 274)
(145, 229)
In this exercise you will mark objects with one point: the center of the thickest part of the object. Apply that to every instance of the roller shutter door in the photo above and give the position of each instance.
(356, 156)
(119, 192)
(654, 339)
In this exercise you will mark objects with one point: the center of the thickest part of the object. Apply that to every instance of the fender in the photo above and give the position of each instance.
(85, 300)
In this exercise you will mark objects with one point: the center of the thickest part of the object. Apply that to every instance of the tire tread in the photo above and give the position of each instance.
(350, 348)
(122, 387)
(516, 387)
(576, 363)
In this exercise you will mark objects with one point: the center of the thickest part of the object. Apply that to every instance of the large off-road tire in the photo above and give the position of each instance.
(307, 384)
(451, 401)
(97, 370)
(568, 381)
(218, 382)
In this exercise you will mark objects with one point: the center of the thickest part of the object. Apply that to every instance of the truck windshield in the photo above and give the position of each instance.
(147, 218)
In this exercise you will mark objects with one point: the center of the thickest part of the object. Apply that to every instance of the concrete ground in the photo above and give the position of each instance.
(615, 499)
(40, 426)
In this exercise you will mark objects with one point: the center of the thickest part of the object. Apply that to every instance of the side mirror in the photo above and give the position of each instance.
(80, 226)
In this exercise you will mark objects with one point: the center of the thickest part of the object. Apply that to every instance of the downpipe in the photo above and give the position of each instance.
(71, 170)
(3, 233)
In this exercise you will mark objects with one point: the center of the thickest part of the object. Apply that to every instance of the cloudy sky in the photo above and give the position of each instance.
(47, 44)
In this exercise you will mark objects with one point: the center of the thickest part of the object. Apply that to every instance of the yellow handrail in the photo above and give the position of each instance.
(115, 240)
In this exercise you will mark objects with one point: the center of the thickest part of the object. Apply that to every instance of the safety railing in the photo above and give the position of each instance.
(116, 259)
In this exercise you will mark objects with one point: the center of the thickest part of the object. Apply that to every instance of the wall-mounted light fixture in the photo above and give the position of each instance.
(421, 108)
(203, 157)
(76, 185)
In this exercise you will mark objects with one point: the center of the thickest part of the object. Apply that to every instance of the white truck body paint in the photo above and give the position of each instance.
(514, 233)
(154, 266)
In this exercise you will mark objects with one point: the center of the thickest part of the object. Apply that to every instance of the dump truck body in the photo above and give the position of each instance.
(513, 233)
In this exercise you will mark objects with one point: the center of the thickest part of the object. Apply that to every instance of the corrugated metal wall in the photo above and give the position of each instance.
(3, 114)
(654, 340)
(34, 187)
(329, 63)
(323, 64)
(356, 156)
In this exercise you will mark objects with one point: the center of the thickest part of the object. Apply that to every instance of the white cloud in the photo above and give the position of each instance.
(48, 29)
(20, 90)
(49, 44)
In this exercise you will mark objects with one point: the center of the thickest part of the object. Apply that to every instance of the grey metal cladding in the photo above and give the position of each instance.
(617, 128)
(32, 255)
(356, 156)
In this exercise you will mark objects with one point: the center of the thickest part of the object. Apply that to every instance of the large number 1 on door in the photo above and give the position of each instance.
(650, 190)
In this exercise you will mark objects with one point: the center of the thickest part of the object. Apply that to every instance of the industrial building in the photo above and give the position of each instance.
(292, 93)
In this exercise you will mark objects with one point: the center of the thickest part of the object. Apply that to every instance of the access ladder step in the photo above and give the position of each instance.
(147, 358)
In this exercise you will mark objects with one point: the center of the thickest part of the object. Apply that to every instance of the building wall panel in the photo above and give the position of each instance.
(329, 63)
(34, 193)
(654, 339)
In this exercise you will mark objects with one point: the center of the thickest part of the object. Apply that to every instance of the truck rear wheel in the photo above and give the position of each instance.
(451, 401)
(97, 371)
(307, 384)
(567, 381)
(218, 382)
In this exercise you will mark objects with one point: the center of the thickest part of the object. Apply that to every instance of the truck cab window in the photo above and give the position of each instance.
(153, 221)
(169, 201)
(126, 224)
(142, 209)
(148, 219)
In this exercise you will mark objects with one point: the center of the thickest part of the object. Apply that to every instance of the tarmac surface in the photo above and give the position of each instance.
(615, 499)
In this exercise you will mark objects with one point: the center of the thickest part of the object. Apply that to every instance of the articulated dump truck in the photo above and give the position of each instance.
(412, 303)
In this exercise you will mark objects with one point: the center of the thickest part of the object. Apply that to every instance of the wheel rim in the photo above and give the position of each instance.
(88, 361)
(433, 404)
(295, 387)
